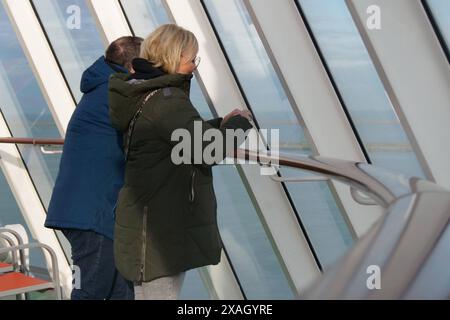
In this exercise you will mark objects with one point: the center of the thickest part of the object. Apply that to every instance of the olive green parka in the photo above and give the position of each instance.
(166, 215)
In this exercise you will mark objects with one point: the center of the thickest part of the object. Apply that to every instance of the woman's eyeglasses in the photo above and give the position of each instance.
(196, 61)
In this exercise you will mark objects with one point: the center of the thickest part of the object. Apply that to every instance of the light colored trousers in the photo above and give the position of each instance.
(166, 288)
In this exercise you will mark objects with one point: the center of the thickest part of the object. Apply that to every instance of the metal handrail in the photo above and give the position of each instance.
(32, 141)
(348, 172)
(361, 199)
(357, 175)
(36, 142)
(400, 244)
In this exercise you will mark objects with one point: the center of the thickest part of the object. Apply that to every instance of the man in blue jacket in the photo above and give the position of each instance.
(90, 176)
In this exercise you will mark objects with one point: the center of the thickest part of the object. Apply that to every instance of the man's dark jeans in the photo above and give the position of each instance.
(93, 254)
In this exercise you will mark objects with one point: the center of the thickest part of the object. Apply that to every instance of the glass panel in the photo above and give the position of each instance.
(145, 16)
(11, 214)
(251, 253)
(316, 205)
(73, 35)
(441, 13)
(25, 109)
(355, 75)
(193, 288)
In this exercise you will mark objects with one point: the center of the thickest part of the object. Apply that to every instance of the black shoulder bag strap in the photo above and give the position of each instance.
(133, 122)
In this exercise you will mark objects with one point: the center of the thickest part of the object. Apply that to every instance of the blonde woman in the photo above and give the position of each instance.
(166, 219)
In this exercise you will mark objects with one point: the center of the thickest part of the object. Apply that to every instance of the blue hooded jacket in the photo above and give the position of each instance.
(92, 164)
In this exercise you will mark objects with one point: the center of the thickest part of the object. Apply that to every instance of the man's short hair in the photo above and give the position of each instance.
(123, 50)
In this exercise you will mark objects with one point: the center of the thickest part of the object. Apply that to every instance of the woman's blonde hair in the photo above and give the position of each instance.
(164, 47)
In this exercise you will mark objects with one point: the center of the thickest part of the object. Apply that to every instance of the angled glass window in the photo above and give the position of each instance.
(145, 16)
(245, 240)
(25, 109)
(352, 69)
(10, 214)
(73, 36)
(441, 14)
(315, 203)
(193, 287)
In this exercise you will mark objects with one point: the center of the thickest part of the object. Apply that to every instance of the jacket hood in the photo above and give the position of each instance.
(97, 74)
(126, 93)
(145, 70)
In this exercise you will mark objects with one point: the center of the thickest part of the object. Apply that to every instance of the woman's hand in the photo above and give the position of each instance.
(237, 112)
(247, 115)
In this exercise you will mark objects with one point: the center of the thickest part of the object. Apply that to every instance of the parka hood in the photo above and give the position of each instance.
(126, 94)
(97, 74)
